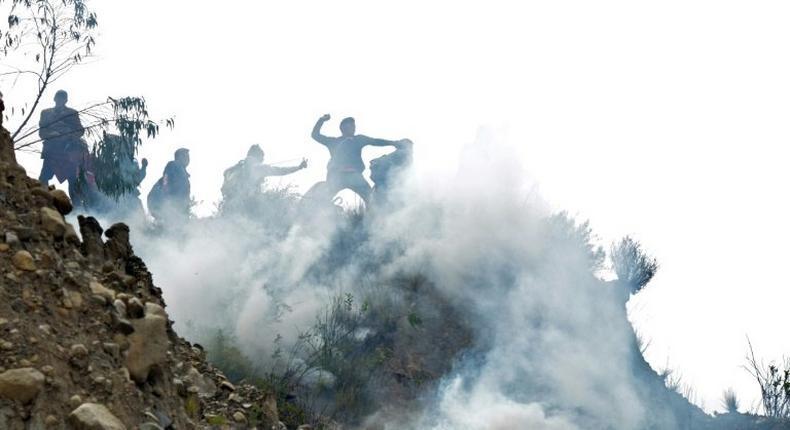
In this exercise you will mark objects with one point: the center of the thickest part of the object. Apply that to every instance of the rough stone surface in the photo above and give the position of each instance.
(24, 261)
(93, 416)
(100, 290)
(154, 309)
(148, 346)
(65, 343)
(22, 385)
(61, 201)
(52, 222)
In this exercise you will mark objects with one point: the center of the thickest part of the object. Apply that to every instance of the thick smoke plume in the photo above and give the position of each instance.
(550, 348)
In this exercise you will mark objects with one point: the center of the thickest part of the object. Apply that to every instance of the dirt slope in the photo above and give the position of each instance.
(85, 341)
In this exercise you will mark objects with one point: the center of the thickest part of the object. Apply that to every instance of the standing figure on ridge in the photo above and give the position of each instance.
(2, 109)
(242, 183)
(129, 205)
(169, 199)
(65, 154)
(345, 164)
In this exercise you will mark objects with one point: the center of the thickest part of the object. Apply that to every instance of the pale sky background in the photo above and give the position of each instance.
(665, 120)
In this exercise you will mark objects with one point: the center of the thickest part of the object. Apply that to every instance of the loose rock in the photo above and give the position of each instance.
(100, 290)
(61, 201)
(147, 346)
(22, 260)
(93, 416)
(52, 221)
(21, 384)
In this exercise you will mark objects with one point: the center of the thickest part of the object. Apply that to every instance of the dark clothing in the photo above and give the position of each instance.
(384, 168)
(346, 152)
(59, 127)
(63, 150)
(170, 196)
(2, 109)
(345, 166)
(65, 162)
(129, 206)
(133, 173)
(177, 181)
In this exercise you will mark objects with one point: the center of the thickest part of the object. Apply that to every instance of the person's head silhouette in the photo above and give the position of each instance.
(255, 153)
(61, 98)
(348, 127)
(182, 157)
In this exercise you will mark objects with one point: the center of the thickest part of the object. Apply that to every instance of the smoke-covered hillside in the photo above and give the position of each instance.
(461, 304)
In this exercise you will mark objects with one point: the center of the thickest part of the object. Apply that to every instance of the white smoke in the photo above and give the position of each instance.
(552, 343)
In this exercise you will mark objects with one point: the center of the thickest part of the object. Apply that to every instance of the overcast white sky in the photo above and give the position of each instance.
(665, 120)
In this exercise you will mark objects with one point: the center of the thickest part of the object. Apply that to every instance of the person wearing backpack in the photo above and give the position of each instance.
(169, 199)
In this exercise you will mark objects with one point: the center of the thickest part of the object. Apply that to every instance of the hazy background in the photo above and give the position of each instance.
(666, 121)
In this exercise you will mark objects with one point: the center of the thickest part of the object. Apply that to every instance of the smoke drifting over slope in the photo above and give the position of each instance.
(551, 344)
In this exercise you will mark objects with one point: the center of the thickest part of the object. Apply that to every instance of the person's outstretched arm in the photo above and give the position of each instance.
(282, 171)
(383, 142)
(317, 136)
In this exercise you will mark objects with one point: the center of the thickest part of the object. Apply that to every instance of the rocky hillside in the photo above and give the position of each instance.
(85, 340)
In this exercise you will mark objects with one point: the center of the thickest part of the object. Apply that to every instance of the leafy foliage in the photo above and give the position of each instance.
(223, 353)
(129, 116)
(59, 35)
(632, 265)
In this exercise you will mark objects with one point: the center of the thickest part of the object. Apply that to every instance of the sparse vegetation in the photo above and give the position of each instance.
(774, 382)
(632, 265)
(730, 401)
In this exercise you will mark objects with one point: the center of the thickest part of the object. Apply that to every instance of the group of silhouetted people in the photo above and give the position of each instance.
(66, 156)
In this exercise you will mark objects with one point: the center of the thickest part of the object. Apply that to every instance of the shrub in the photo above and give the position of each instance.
(774, 381)
(730, 401)
(632, 265)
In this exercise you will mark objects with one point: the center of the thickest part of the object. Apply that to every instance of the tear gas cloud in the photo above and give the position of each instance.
(552, 347)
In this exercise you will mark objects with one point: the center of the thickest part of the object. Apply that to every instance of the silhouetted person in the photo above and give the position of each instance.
(243, 181)
(384, 169)
(129, 204)
(64, 153)
(169, 199)
(2, 109)
(345, 164)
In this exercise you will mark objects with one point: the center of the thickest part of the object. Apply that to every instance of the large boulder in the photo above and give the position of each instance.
(61, 201)
(22, 384)
(148, 346)
(52, 221)
(93, 416)
(98, 289)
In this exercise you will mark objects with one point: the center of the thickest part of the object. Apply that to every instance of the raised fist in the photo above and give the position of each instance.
(303, 165)
(326, 117)
(144, 163)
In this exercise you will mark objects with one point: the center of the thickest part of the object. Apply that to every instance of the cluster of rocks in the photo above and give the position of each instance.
(85, 341)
